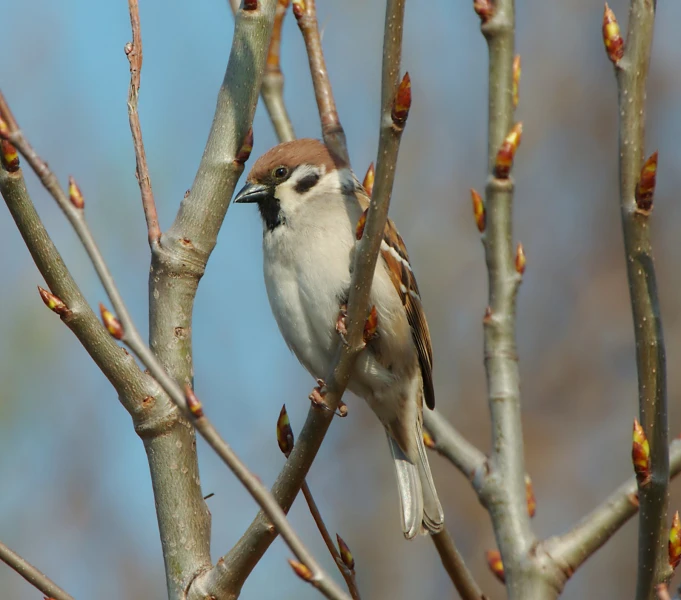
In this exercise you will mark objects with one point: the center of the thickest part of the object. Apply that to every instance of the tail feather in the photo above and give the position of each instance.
(433, 516)
(421, 509)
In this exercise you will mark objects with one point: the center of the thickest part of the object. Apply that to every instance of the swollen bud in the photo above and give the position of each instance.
(530, 498)
(674, 546)
(484, 9)
(284, 432)
(428, 440)
(300, 569)
(359, 230)
(75, 194)
(9, 156)
(112, 324)
(368, 183)
(640, 455)
(506, 154)
(244, 152)
(614, 44)
(645, 188)
(479, 211)
(516, 80)
(298, 8)
(345, 554)
(54, 303)
(193, 403)
(4, 129)
(402, 102)
(494, 563)
(520, 259)
(371, 325)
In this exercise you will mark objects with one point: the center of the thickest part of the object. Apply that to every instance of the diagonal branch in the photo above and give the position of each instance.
(305, 12)
(35, 577)
(133, 50)
(631, 72)
(574, 547)
(232, 570)
(132, 338)
(456, 568)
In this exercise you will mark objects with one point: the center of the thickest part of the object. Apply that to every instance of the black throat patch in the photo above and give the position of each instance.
(270, 211)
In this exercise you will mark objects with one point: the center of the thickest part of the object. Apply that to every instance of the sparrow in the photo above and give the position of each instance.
(310, 203)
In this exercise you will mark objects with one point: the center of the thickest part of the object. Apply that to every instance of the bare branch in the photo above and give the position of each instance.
(273, 81)
(232, 570)
(572, 548)
(504, 494)
(133, 50)
(631, 72)
(167, 440)
(132, 338)
(35, 577)
(456, 568)
(453, 446)
(332, 130)
(348, 575)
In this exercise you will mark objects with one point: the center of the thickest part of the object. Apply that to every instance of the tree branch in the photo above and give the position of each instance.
(273, 81)
(456, 568)
(153, 415)
(348, 575)
(453, 446)
(233, 569)
(132, 338)
(504, 494)
(332, 130)
(631, 72)
(133, 50)
(36, 578)
(572, 548)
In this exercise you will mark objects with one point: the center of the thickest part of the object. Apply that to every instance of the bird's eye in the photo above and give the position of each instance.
(280, 172)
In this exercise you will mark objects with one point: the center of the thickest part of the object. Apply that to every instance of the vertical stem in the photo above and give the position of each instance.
(506, 465)
(632, 72)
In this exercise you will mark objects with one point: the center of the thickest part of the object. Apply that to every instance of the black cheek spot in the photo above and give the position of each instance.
(307, 183)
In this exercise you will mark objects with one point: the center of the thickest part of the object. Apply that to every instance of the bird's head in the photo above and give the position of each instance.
(288, 175)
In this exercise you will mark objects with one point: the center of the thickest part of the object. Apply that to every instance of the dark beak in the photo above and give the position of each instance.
(252, 192)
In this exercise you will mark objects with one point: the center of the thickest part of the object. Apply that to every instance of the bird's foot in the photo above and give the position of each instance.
(318, 398)
(342, 322)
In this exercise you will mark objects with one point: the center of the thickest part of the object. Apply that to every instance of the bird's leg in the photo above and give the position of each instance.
(318, 395)
(341, 323)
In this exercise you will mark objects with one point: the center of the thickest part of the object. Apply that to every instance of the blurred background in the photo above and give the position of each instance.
(75, 494)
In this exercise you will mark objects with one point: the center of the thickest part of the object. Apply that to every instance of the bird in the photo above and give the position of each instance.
(311, 202)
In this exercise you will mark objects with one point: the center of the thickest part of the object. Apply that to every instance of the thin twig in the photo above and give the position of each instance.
(456, 568)
(167, 440)
(347, 574)
(332, 130)
(453, 446)
(133, 339)
(631, 72)
(232, 570)
(35, 577)
(133, 50)
(273, 81)
(574, 547)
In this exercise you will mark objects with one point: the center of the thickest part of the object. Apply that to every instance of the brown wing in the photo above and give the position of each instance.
(395, 255)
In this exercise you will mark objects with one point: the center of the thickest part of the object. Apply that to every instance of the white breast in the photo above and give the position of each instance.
(307, 275)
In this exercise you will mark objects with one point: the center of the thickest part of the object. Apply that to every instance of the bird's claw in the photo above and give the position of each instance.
(318, 398)
(342, 322)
